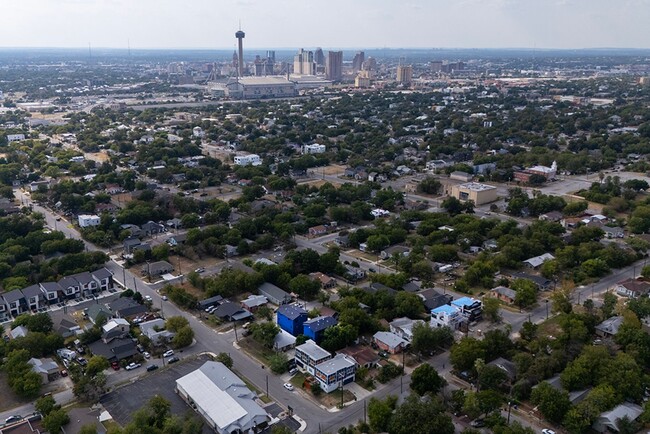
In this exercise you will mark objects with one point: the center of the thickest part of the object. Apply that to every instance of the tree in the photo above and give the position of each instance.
(380, 412)
(175, 323)
(55, 420)
(526, 292)
(465, 352)
(427, 339)
(609, 303)
(425, 379)
(491, 309)
(45, 405)
(305, 287)
(421, 416)
(265, 333)
(552, 403)
(452, 205)
(561, 300)
(225, 359)
(408, 304)
(491, 377)
(429, 185)
(183, 337)
(339, 336)
(96, 364)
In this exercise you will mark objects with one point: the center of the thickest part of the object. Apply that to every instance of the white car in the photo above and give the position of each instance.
(132, 366)
(168, 353)
(146, 355)
(548, 431)
(148, 298)
(288, 386)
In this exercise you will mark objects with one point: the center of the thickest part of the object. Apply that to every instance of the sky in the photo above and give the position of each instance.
(326, 23)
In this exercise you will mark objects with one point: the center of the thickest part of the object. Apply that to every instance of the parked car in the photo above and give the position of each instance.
(148, 298)
(64, 373)
(548, 431)
(383, 354)
(164, 297)
(173, 360)
(82, 361)
(168, 353)
(14, 418)
(288, 386)
(132, 366)
(293, 371)
(115, 366)
(152, 368)
(477, 423)
(146, 355)
(199, 270)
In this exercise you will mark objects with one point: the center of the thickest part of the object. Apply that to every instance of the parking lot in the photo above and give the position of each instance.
(123, 402)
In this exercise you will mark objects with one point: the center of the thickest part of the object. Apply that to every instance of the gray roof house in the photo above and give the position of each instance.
(157, 268)
(608, 421)
(222, 398)
(125, 307)
(34, 297)
(274, 294)
(609, 327)
(16, 303)
(52, 291)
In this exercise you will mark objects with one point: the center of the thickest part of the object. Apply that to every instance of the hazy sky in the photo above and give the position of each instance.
(326, 23)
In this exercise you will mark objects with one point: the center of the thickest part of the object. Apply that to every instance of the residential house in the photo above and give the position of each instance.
(97, 311)
(18, 332)
(157, 268)
(315, 231)
(608, 421)
(308, 355)
(229, 311)
(506, 366)
(113, 189)
(34, 297)
(115, 349)
(326, 282)
(342, 240)
(410, 287)
(176, 240)
(253, 302)
(538, 260)
(432, 298)
(362, 355)
(155, 331)
(609, 327)
(126, 307)
(291, 318)
(403, 327)
(231, 251)
(332, 374)
(447, 316)
(377, 287)
(552, 216)
(632, 288)
(86, 220)
(389, 252)
(64, 324)
(86, 283)
(46, 368)
(174, 223)
(117, 325)
(283, 341)
(209, 302)
(4, 310)
(104, 279)
(390, 342)
(129, 245)
(471, 308)
(152, 228)
(353, 273)
(274, 294)
(16, 303)
(542, 283)
(52, 292)
(315, 328)
(504, 294)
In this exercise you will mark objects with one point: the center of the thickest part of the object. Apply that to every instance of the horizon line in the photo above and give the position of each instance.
(85, 48)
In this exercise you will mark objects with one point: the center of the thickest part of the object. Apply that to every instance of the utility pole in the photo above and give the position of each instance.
(341, 394)
(267, 386)
(235, 325)
(364, 411)
(135, 284)
(124, 277)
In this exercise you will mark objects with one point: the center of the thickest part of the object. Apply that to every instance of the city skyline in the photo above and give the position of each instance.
(555, 24)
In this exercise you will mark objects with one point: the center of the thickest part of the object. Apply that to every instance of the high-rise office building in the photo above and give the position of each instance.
(270, 54)
(334, 67)
(436, 65)
(240, 60)
(303, 63)
(404, 74)
(319, 57)
(370, 64)
(357, 62)
(259, 66)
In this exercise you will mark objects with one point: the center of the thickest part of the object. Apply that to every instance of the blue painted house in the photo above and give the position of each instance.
(291, 318)
(315, 328)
